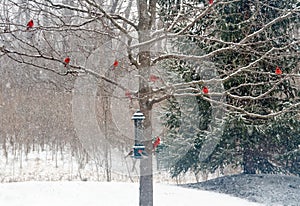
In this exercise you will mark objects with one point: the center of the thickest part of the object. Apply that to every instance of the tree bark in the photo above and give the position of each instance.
(146, 173)
(146, 170)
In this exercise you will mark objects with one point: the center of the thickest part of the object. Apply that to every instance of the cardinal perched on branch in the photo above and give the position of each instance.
(278, 71)
(67, 61)
(211, 2)
(30, 24)
(205, 90)
(116, 63)
(156, 143)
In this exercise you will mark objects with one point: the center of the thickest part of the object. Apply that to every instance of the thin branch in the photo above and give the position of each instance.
(205, 12)
(239, 109)
(126, 20)
(77, 69)
(192, 57)
(261, 96)
(265, 27)
(108, 16)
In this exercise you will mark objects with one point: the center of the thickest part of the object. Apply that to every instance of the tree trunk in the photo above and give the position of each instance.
(248, 160)
(146, 173)
(107, 152)
(146, 170)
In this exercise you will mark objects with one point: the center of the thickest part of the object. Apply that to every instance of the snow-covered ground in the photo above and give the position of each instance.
(47, 165)
(46, 179)
(107, 194)
(271, 190)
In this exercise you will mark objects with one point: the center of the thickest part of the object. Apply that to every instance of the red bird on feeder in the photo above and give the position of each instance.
(142, 153)
(211, 2)
(205, 90)
(156, 143)
(30, 24)
(67, 61)
(116, 63)
(278, 71)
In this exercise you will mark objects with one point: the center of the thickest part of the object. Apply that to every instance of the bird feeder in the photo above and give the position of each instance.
(138, 148)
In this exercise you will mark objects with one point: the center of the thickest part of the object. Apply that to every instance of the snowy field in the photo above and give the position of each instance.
(47, 179)
(107, 194)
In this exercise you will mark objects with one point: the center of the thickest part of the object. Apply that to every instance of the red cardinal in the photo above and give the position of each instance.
(116, 63)
(30, 24)
(278, 70)
(67, 61)
(156, 143)
(211, 2)
(205, 90)
(153, 78)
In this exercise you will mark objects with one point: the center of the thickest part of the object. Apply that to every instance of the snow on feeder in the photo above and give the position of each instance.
(138, 148)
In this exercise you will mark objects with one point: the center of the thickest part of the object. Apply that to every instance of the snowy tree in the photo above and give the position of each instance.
(259, 89)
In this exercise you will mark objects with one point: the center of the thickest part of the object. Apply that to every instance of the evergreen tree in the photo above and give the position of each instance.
(248, 140)
(187, 120)
(286, 131)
